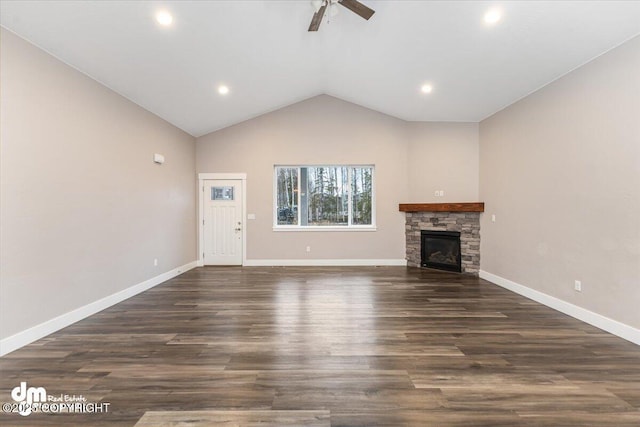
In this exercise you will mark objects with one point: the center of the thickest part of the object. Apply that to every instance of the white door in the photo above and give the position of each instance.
(223, 225)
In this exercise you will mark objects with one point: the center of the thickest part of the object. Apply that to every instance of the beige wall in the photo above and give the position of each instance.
(84, 210)
(443, 156)
(326, 130)
(561, 171)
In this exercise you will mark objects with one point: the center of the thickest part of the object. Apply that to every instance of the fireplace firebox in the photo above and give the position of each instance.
(441, 250)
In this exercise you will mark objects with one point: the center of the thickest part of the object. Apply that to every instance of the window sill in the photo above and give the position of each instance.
(305, 229)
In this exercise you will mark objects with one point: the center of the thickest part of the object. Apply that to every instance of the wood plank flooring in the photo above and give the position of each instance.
(350, 346)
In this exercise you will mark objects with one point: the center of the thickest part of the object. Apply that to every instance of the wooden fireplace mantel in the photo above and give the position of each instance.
(442, 207)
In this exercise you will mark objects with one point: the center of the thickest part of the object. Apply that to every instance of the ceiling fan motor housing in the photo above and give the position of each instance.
(320, 7)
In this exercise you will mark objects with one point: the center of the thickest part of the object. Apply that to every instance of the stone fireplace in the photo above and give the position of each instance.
(463, 218)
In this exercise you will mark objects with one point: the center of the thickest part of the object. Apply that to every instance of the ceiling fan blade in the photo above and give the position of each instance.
(358, 8)
(317, 18)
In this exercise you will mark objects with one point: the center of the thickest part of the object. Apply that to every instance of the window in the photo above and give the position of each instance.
(319, 197)
(221, 193)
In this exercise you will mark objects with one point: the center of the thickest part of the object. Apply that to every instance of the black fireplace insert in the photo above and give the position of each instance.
(441, 250)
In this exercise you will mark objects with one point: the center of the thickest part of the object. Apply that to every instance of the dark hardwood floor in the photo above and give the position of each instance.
(357, 346)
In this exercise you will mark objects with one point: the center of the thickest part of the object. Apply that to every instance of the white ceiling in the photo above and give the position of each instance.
(262, 50)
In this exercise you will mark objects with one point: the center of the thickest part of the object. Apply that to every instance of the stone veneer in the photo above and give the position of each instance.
(467, 223)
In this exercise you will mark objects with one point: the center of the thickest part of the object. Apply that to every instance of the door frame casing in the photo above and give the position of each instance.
(202, 177)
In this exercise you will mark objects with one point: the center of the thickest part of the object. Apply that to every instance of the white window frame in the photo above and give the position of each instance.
(315, 228)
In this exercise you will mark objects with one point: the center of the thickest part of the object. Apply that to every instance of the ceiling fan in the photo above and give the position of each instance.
(321, 6)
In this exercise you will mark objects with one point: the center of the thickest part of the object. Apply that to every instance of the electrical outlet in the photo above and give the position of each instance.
(155, 262)
(436, 193)
(577, 285)
(308, 248)
(493, 218)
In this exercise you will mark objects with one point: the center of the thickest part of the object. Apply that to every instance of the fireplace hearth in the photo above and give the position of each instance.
(440, 250)
(463, 218)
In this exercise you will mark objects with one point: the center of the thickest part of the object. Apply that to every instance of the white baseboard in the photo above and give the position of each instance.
(322, 262)
(622, 330)
(14, 342)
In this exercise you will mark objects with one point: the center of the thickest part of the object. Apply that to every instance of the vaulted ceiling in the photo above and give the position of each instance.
(262, 51)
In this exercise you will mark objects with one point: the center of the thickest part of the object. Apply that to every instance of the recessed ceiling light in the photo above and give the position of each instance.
(492, 16)
(223, 89)
(426, 88)
(164, 18)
